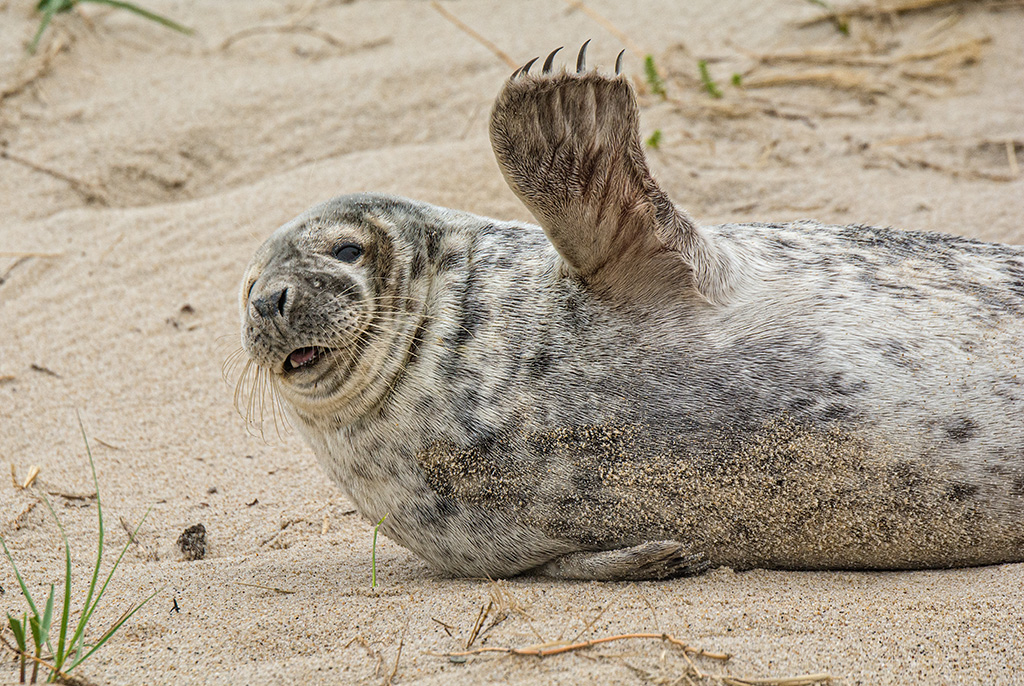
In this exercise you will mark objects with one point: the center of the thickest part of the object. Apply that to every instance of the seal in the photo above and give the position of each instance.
(621, 393)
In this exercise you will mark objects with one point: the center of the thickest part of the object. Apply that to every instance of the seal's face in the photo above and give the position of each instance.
(309, 302)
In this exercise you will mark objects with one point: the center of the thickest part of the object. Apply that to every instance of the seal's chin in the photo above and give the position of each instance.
(305, 359)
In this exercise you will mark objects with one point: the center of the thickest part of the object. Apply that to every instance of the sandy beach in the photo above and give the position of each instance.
(141, 168)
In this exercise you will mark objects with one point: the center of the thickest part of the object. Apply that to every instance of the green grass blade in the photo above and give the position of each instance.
(18, 629)
(43, 23)
(152, 16)
(37, 633)
(17, 575)
(58, 655)
(55, 6)
(48, 613)
(373, 553)
(112, 630)
(652, 76)
(706, 81)
(88, 610)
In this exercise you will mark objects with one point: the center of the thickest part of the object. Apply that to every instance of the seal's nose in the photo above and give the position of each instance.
(272, 304)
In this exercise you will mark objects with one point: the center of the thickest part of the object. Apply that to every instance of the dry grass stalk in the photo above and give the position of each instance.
(448, 628)
(282, 591)
(853, 58)
(908, 162)
(19, 520)
(557, 648)
(370, 650)
(320, 34)
(835, 78)
(608, 26)
(909, 140)
(1011, 157)
(33, 472)
(149, 551)
(498, 52)
(17, 254)
(88, 191)
(593, 621)
(394, 670)
(484, 611)
(39, 67)
(504, 601)
(964, 52)
(875, 10)
(61, 677)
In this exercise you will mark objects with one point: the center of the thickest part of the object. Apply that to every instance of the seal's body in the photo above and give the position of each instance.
(622, 394)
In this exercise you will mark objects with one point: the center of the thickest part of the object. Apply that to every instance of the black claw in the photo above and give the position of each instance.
(515, 74)
(618, 63)
(581, 59)
(526, 67)
(549, 60)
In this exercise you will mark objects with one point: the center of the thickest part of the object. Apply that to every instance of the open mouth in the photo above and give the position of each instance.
(304, 358)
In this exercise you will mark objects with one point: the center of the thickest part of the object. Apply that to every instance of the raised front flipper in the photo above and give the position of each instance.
(569, 147)
(652, 560)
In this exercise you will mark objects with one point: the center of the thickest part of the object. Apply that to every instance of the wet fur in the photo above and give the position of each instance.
(653, 396)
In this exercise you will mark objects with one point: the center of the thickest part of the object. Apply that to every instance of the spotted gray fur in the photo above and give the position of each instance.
(621, 393)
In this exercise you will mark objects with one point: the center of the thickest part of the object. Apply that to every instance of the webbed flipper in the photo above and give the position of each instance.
(568, 144)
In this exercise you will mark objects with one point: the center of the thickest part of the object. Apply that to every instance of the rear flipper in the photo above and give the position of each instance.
(653, 560)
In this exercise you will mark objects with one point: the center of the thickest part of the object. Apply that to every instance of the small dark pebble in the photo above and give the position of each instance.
(254, 502)
(211, 489)
(193, 542)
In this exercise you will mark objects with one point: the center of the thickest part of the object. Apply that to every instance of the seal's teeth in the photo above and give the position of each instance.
(581, 59)
(303, 357)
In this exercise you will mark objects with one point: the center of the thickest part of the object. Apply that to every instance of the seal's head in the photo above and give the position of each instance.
(319, 301)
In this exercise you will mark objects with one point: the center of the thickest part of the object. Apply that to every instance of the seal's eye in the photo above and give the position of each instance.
(347, 252)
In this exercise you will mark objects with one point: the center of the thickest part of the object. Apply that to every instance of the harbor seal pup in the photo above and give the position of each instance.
(621, 393)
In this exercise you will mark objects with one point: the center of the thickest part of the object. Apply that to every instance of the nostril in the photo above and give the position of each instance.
(282, 300)
(272, 304)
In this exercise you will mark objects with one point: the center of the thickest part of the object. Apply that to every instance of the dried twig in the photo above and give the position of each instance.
(1011, 157)
(608, 26)
(326, 37)
(150, 552)
(905, 162)
(484, 611)
(370, 650)
(840, 79)
(874, 10)
(88, 191)
(498, 52)
(265, 588)
(19, 255)
(547, 649)
(62, 677)
(688, 651)
(448, 628)
(40, 68)
(33, 472)
(593, 621)
(398, 656)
